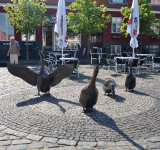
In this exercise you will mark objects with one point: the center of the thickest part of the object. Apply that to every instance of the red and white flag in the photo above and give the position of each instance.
(133, 24)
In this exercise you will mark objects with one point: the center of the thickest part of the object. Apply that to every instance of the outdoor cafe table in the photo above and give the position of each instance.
(148, 55)
(66, 59)
(124, 58)
(56, 54)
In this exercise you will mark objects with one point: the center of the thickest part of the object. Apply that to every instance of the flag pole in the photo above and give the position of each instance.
(62, 56)
(133, 55)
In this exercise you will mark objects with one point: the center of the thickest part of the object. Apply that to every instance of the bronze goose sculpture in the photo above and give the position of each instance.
(89, 95)
(109, 86)
(130, 79)
(43, 80)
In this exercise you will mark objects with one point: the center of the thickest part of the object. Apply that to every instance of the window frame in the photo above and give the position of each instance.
(154, 26)
(6, 27)
(118, 2)
(155, 2)
(116, 25)
(116, 49)
(28, 36)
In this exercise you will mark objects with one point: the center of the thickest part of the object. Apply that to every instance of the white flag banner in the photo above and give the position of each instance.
(133, 24)
(60, 23)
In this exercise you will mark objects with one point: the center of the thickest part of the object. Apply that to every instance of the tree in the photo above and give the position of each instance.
(26, 16)
(147, 20)
(87, 18)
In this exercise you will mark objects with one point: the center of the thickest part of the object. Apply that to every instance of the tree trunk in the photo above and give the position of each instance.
(141, 44)
(27, 46)
(88, 47)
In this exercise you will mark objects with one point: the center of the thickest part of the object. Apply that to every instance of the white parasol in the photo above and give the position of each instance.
(133, 25)
(61, 25)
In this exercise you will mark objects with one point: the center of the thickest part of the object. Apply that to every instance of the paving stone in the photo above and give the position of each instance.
(154, 145)
(3, 138)
(51, 145)
(5, 143)
(17, 147)
(85, 148)
(103, 144)
(91, 144)
(34, 137)
(123, 143)
(2, 148)
(67, 142)
(49, 140)
(37, 145)
(67, 148)
(12, 137)
(2, 127)
(120, 148)
(153, 139)
(13, 132)
(1, 134)
(52, 149)
(23, 141)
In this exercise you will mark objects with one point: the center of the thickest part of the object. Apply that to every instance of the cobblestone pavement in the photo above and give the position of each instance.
(55, 121)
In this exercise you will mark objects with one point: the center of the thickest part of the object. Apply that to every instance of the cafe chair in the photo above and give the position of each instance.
(157, 62)
(94, 54)
(50, 62)
(120, 63)
(135, 65)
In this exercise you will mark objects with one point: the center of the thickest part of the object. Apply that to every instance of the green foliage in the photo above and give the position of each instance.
(147, 19)
(26, 15)
(87, 18)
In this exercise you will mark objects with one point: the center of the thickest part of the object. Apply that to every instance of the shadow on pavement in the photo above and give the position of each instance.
(140, 93)
(107, 121)
(48, 98)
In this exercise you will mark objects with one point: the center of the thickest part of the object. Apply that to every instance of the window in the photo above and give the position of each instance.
(155, 2)
(156, 27)
(117, 1)
(31, 37)
(154, 49)
(116, 49)
(116, 24)
(96, 38)
(71, 41)
(124, 2)
(6, 30)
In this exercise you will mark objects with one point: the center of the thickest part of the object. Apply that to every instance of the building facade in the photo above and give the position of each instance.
(46, 39)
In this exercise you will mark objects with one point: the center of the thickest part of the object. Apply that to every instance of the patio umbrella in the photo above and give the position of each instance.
(61, 25)
(133, 25)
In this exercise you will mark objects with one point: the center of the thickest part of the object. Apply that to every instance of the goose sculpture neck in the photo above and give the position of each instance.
(93, 80)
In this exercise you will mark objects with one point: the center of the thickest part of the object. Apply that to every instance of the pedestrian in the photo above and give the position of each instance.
(14, 50)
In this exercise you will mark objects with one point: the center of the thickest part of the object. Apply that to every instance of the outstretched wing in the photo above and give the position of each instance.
(23, 72)
(60, 73)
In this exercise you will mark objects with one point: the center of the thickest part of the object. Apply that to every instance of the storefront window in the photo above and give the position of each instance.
(31, 37)
(71, 41)
(6, 30)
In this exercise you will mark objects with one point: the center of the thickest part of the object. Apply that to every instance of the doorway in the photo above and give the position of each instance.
(48, 38)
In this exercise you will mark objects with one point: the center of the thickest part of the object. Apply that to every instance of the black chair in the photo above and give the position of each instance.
(135, 65)
(121, 63)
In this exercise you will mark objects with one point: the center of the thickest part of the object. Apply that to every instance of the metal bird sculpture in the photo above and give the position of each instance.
(43, 80)
(130, 79)
(89, 94)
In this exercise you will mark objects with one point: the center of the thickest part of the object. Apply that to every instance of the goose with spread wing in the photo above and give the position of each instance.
(43, 80)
